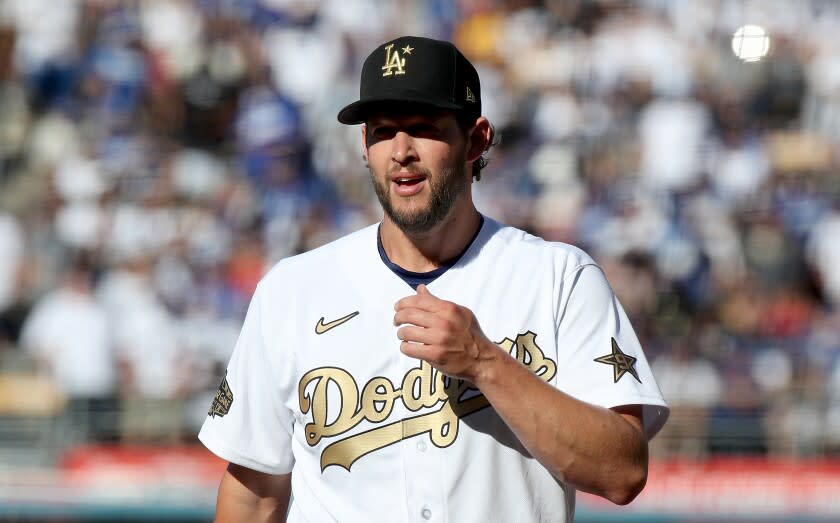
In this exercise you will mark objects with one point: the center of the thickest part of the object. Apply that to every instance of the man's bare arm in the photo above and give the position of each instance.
(249, 495)
(598, 450)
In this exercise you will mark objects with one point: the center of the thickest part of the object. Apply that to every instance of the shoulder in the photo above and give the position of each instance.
(529, 248)
(324, 261)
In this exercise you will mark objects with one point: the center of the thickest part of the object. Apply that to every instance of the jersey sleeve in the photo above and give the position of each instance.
(248, 423)
(600, 359)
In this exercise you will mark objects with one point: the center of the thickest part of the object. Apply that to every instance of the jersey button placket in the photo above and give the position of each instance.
(424, 476)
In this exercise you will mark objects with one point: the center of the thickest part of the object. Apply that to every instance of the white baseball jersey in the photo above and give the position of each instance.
(317, 385)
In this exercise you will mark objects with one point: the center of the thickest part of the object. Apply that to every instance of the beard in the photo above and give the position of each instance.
(444, 191)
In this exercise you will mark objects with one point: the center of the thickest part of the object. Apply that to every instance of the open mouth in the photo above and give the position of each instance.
(408, 184)
(408, 181)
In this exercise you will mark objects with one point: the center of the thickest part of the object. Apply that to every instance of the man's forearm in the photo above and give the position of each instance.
(595, 449)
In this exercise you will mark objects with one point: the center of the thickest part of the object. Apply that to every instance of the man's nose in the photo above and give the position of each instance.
(403, 150)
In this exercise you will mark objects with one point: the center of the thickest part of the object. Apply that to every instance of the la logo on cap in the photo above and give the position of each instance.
(393, 63)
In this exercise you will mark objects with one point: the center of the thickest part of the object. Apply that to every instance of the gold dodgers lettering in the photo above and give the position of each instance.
(421, 387)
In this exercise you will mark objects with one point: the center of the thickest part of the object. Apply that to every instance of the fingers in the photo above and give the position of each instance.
(414, 316)
(423, 299)
(419, 351)
(438, 332)
(421, 326)
(438, 320)
(419, 335)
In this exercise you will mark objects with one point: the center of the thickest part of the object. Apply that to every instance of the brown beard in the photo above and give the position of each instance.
(445, 190)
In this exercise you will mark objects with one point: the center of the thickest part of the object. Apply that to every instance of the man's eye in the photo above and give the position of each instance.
(423, 130)
(384, 133)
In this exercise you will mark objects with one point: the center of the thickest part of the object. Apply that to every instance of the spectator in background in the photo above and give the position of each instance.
(11, 257)
(67, 333)
(824, 254)
(147, 349)
(693, 386)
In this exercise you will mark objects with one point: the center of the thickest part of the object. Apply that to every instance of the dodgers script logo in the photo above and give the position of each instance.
(421, 387)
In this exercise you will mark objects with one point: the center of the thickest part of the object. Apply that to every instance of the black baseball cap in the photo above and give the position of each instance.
(419, 70)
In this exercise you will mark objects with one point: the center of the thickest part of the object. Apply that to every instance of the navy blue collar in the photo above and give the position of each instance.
(416, 278)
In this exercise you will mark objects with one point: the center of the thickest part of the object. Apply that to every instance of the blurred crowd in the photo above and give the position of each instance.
(156, 157)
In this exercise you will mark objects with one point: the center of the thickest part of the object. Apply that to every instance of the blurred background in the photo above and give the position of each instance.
(156, 157)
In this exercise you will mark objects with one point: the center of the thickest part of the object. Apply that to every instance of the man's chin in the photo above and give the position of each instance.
(414, 222)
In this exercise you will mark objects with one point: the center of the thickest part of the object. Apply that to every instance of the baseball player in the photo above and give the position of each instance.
(439, 365)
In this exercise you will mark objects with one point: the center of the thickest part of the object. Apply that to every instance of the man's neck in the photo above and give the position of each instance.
(423, 252)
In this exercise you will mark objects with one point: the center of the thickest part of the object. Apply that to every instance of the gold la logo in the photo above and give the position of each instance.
(422, 387)
(393, 63)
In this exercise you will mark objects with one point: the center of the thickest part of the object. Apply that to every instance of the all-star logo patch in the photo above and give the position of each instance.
(222, 401)
(622, 363)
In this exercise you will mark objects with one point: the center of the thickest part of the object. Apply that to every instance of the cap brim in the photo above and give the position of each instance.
(358, 111)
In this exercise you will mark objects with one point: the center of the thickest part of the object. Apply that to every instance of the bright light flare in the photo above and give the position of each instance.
(750, 43)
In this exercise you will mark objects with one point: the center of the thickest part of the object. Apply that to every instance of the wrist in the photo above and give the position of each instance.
(491, 359)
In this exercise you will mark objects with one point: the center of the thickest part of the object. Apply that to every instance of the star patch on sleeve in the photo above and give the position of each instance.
(222, 401)
(622, 363)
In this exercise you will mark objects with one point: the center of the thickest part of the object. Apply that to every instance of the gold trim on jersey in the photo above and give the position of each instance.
(421, 387)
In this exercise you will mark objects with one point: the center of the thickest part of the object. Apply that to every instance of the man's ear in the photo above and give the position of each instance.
(479, 139)
(364, 144)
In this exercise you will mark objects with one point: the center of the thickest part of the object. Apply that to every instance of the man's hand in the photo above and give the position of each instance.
(443, 333)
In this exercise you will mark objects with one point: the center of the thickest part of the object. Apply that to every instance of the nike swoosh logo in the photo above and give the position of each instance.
(322, 327)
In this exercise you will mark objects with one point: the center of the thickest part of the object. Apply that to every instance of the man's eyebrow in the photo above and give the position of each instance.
(405, 120)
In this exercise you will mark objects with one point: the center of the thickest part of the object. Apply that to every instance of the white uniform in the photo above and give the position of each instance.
(373, 435)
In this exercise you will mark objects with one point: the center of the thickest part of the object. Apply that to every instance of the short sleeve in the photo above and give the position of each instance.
(600, 359)
(247, 422)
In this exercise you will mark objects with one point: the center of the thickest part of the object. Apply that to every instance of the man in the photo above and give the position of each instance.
(67, 333)
(438, 366)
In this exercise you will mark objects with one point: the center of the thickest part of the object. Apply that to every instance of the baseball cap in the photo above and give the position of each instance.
(418, 70)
